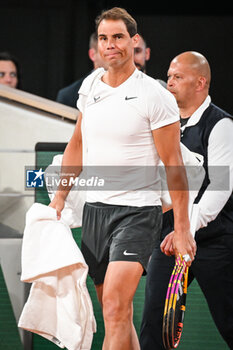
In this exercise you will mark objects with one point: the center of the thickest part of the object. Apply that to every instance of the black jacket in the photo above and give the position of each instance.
(196, 139)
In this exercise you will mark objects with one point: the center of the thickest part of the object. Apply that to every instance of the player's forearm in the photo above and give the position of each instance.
(183, 242)
(167, 143)
(71, 162)
(180, 210)
(178, 189)
(71, 168)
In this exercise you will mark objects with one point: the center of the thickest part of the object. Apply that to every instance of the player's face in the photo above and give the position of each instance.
(182, 82)
(8, 74)
(114, 42)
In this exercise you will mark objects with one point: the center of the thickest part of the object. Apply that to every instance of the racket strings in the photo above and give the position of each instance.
(175, 304)
(168, 305)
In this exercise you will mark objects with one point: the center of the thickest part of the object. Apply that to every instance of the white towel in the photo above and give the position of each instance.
(59, 307)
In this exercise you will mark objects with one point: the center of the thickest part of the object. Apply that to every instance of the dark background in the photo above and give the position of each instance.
(50, 39)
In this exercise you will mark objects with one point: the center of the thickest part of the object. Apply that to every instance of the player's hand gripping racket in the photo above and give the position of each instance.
(173, 318)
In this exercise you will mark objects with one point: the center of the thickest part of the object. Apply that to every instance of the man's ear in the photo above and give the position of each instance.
(91, 54)
(135, 39)
(201, 83)
(147, 54)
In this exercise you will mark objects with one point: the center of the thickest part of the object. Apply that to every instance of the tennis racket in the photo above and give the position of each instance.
(173, 318)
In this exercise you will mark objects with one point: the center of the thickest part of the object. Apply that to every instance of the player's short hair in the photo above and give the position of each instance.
(118, 13)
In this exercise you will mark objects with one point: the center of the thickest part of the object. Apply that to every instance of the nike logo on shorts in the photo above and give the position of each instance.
(126, 253)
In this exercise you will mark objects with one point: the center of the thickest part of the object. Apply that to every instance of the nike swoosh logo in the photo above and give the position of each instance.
(126, 253)
(130, 98)
(96, 98)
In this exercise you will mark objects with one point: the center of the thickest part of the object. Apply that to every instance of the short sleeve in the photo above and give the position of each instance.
(162, 108)
(81, 102)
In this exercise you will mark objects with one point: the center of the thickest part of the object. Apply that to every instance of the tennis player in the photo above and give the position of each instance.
(128, 119)
(207, 130)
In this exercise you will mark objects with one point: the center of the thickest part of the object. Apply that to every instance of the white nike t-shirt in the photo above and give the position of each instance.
(117, 129)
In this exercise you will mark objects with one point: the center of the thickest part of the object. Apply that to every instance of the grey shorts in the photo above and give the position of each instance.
(118, 233)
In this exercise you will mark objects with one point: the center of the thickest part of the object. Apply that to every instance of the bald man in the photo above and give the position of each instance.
(207, 130)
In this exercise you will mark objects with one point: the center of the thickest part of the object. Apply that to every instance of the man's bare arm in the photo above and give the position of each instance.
(71, 164)
(167, 143)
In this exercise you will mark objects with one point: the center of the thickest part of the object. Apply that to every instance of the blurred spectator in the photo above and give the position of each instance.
(142, 55)
(9, 70)
(69, 95)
